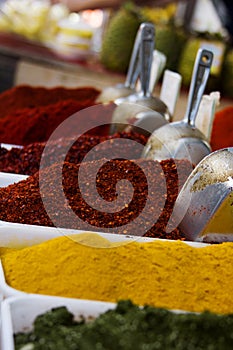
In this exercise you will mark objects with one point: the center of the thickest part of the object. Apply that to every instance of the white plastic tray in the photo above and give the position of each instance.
(19, 313)
(9, 146)
(7, 179)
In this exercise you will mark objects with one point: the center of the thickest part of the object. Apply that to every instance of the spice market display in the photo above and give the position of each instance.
(92, 255)
(82, 267)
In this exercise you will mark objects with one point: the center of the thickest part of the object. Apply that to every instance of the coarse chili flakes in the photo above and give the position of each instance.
(22, 202)
(3, 151)
(26, 160)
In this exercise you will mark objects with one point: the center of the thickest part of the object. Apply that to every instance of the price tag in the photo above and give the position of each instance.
(170, 89)
(206, 112)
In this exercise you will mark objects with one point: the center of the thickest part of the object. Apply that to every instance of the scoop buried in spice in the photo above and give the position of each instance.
(147, 121)
(182, 139)
(111, 93)
(128, 107)
(204, 206)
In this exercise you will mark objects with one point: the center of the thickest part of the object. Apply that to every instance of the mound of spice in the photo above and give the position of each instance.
(26, 160)
(26, 96)
(3, 151)
(160, 273)
(222, 132)
(36, 124)
(146, 211)
(128, 327)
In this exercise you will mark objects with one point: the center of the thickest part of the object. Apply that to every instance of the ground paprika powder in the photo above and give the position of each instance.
(222, 132)
(26, 96)
(36, 124)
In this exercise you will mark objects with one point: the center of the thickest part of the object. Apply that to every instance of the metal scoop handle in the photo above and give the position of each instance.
(134, 67)
(146, 57)
(199, 80)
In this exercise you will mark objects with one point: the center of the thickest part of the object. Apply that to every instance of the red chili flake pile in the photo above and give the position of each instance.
(22, 202)
(3, 152)
(26, 160)
(26, 96)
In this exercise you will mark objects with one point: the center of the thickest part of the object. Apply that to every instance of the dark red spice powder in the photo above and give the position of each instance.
(36, 124)
(26, 160)
(222, 131)
(22, 202)
(26, 96)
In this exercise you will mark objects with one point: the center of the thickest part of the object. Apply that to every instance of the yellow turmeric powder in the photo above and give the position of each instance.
(160, 273)
(6, 250)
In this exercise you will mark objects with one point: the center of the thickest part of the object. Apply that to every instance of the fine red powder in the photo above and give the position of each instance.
(36, 124)
(222, 132)
(26, 96)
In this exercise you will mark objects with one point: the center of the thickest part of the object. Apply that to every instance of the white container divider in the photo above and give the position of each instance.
(19, 313)
(9, 146)
(13, 235)
(7, 179)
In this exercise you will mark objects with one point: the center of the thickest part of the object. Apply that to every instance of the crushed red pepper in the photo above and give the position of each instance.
(26, 160)
(22, 202)
(26, 96)
(3, 152)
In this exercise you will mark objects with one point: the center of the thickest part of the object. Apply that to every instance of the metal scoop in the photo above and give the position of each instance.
(157, 67)
(148, 121)
(111, 93)
(143, 100)
(204, 206)
(182, 140)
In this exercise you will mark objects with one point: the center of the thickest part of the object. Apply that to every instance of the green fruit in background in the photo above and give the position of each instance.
(170, 41)
(227, 75)
(119, 39)
(187, 60)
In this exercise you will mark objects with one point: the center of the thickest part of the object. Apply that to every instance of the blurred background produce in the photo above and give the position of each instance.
(122, 28)
(106, 35)
(52, 25)
(33, 19)
(181, 29)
